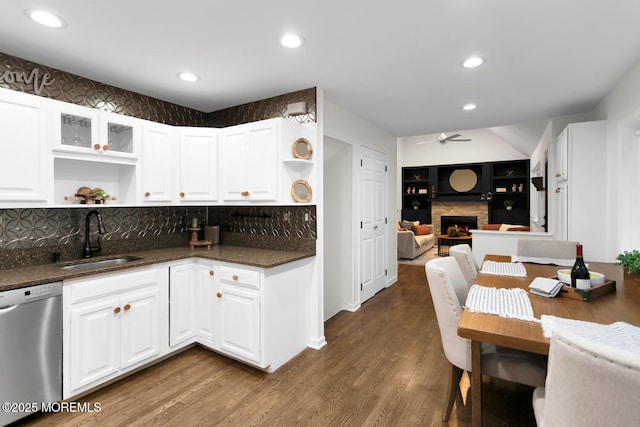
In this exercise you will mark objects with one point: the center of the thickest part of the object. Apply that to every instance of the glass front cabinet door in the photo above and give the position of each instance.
(89, 132)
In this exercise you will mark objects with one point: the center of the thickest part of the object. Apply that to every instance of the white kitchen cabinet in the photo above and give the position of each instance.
(249, 161)
(580, 191)
(240, 314)
(198, 169)
(87, 133)
(26, 172)
(157, 164)
(193, 305)
(112, 323)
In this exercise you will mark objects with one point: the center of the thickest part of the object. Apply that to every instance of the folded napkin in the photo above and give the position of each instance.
(512, 303)
(620, 334)
(504, 268)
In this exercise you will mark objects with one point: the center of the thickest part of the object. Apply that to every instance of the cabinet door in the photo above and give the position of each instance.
(140, 325)
(240, 322)
(262, 167)
(233, 163)
(120, 135)
(26, 167)
(206, 304)
(95, 338)
(157, 163)
(198, 171)
(249, 168)
(182, 316)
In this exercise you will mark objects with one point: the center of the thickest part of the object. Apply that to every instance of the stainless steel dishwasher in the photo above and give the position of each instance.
(30, 349)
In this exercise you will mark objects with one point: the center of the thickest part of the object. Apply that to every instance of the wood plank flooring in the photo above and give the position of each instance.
(383, 366)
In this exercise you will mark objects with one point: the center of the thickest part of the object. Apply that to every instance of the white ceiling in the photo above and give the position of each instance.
(395, 64)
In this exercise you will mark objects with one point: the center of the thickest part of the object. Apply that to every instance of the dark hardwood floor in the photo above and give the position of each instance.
(383, 366)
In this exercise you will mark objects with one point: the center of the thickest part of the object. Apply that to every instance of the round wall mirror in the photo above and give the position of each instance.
(301, 191)
(302, 149)
(463, 180)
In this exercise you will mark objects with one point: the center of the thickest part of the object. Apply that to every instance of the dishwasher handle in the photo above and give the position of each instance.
(8, 308)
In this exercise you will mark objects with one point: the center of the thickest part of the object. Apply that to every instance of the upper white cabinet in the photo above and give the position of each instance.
(198, 168)
(249, 161)
(159, 144)
(25, 175)
(83, 131)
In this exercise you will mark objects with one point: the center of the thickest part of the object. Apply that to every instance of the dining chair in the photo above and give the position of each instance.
(588, 384)
(547, 248)
(467, 263)
(449, 289)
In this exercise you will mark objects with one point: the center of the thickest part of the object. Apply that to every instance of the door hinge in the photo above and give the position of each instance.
(360, 286)
(385, 271)
(385, 220)
(360, 224)
(360, 162)
(385, 168)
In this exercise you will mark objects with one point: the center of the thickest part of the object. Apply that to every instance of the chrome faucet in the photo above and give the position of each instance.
(88, 249)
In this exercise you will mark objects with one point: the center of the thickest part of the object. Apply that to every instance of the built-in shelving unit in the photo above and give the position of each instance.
(491, 182)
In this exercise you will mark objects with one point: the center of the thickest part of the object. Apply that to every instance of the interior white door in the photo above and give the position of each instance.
(373, 229)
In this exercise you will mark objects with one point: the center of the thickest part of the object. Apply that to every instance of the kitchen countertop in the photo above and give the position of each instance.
(46, 273)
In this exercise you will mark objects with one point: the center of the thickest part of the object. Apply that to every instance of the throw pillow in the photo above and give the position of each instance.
(406, 225)
(505, 227)
(421, 230)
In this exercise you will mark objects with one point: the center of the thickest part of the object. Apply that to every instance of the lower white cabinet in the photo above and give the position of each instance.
(113, 322)
(255, 315)
(192, 305)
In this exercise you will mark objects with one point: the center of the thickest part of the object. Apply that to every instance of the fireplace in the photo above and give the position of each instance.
(464, 223)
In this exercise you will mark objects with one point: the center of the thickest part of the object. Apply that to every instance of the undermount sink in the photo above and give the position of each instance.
(87, 265)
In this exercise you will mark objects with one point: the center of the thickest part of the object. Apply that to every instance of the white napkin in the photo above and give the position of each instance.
(512, 303)
(515, 269)
(620, 334)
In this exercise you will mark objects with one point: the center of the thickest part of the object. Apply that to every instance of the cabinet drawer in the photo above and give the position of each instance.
(239, 276)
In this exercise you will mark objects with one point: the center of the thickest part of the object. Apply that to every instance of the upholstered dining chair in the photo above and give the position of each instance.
(547, 248)
(462, 253)
(449, 291)
(588, 384)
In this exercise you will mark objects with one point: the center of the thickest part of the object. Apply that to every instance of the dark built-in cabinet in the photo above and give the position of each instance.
(491, 182)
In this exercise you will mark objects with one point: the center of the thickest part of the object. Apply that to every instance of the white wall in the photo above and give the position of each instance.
(345, 126)
(621, 109)
(338, 208)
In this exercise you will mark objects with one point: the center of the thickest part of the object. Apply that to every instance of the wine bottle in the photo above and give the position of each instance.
(579, 273)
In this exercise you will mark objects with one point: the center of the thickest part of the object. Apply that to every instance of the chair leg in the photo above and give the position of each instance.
(453, 391)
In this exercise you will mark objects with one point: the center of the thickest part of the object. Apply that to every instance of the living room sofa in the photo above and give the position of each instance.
(413, 242)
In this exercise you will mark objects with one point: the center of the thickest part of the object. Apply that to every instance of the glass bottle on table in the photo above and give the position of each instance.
(579, 274)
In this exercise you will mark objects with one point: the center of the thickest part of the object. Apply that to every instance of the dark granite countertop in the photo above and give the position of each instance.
(13, 278)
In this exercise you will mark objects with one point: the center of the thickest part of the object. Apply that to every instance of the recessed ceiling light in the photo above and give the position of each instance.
(291, 40)
(45, 18)
(469, 107)
(188, 77)
(473, 62)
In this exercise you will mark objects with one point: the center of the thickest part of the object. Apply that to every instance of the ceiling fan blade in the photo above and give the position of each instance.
(459, 140)
(450, 137)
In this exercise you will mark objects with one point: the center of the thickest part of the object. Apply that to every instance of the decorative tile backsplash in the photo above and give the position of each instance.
(29, 236)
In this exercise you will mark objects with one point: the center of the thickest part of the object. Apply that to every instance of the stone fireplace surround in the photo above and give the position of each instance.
(479, 209)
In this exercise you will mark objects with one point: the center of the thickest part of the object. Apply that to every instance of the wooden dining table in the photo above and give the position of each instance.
(621, 305)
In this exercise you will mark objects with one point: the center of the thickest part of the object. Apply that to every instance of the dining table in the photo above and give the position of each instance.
(621, 304)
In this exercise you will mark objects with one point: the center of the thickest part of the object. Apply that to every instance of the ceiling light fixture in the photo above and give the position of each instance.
(188, 77)
(469, 107)
(472, 62)
(291, 41)
(45, 18)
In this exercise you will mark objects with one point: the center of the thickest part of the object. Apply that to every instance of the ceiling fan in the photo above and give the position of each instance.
(443, 139)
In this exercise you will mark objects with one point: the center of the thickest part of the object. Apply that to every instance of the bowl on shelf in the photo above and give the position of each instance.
(564, 276)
